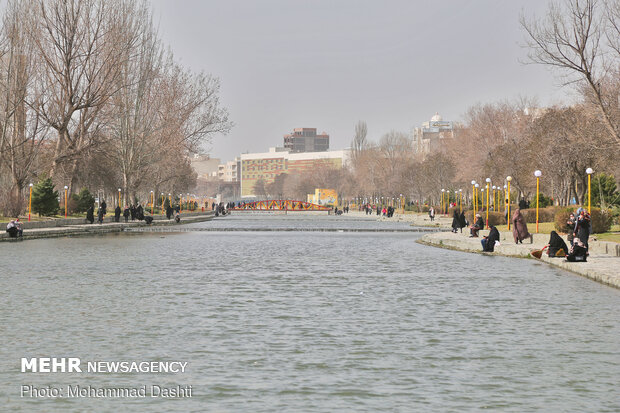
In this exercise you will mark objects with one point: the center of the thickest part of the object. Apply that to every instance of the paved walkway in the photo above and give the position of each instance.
(603, 264)
(84, 229)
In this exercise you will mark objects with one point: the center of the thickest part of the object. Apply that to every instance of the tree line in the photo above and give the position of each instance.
(91, 97)
(580, 41)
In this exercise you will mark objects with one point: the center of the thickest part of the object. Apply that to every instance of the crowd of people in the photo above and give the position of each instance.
(578, 228)
(379, 210)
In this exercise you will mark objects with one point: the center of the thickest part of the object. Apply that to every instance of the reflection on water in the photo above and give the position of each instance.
(308, 321)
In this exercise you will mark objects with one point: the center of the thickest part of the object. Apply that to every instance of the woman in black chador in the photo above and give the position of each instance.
(90, 214)
(488, 242)
(456, 221)
(117, 214)
(126, 213)
(556, 243)
(462, 221)
(132, 210)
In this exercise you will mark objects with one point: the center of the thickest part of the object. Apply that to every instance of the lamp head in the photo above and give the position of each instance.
(494, 187)
(488, 180)
(589, 171)
(460, 190)
(30, 185)
(509, 178)
(477, 185)
(537, 173)
(505, 187)
(66, 187)
(473, 182)
(443, 190)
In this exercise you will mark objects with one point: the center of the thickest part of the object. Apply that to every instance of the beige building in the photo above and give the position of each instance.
(266, 166)
(429, 137)
(205, 166)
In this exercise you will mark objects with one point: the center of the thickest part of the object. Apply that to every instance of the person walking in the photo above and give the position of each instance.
(519, 230)
(431, 213)
(456, 221)
(90, 214)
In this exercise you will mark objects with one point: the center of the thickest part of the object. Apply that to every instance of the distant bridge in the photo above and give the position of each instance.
(280, 205)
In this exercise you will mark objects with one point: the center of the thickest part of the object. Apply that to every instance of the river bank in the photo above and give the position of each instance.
(77, 226)
(602, 266)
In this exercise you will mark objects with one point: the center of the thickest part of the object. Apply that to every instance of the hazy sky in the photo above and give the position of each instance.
(329, 63)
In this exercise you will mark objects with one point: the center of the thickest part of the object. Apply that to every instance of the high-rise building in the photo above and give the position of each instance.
(306, 140)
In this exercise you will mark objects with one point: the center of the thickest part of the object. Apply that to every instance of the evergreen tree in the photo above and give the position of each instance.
(45, 198)
(604, 191)
(83, 200)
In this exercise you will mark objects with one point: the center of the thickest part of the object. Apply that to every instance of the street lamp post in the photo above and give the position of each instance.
(30, 203)
(508, 179)
(162, 203)
(66, 187)
(488, 180)
(473, 197)
(119, 197)
(505, 198)
(152, 202)
(494, 200)
(476, 197)
(441, 203)
(589, 172)
(460, 200)
(537, 174)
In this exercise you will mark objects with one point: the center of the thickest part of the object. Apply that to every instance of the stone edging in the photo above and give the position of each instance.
(600, 268)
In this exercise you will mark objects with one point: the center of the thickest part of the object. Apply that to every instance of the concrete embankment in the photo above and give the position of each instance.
(603, 264)
(77, 226)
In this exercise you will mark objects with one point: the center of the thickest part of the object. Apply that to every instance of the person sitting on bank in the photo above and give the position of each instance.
(488, 242)
(556, 246)
(578, 252)
(14, 229)
(478, 225)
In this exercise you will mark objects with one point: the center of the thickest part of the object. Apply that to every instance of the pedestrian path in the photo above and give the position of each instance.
(74, 229)
(603, 264)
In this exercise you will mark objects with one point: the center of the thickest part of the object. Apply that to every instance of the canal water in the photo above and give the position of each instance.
(305, 321)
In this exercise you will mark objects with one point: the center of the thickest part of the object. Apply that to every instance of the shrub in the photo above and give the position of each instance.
(601, 220)
(560, 219)
(495, 218)
(544, 214)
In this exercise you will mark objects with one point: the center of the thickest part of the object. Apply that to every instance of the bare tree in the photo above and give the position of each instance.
(570, 39)
(21, 129)
(78, 47)
(359, 141)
